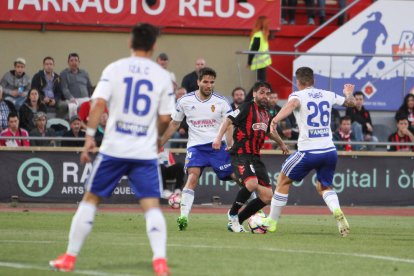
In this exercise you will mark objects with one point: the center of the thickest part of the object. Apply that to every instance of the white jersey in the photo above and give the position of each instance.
(203, 117)
(314, 118)
(136, 90)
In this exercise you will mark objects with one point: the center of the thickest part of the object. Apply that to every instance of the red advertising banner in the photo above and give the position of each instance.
(186, 14)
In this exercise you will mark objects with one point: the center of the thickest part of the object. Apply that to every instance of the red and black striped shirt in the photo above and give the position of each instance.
(251, 124)
(401, 139)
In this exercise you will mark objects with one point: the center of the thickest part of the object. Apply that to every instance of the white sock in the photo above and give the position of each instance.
(157, 232)
(278, 202)
(331, 199)
(187, 199)
(81, 227)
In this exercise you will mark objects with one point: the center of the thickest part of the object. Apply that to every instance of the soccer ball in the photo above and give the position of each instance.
(174, 201)
(255, 223)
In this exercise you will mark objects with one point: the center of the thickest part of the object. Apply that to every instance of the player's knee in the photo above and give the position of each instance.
(91, 198)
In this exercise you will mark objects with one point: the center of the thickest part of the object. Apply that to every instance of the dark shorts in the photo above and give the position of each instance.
(250, 166)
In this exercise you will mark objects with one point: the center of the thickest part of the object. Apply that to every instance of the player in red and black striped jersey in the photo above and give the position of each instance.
(252, 123)
(402, 135)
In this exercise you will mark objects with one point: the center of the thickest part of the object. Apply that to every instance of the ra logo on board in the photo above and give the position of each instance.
(35, 177)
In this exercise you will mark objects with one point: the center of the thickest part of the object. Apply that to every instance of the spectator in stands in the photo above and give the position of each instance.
(28, 110)
(170, 170)
(402, 135)
(259, 42)
(6, 107)
(16, 83)
(322, 13)
(344, 134)
(83, 113)
(286, 132)
(13, 130)
(182, 132)
(310, 11)
(361, 120)
(74, 132)
(48, 83)
(273, 107)
(40, 120)
(76, 85)
(335, 120)
(289, 10)
(189, 81)
(239, 95)
(163, 61)
(406, 110)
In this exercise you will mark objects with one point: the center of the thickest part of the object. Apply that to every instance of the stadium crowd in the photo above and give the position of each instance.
(53, 105)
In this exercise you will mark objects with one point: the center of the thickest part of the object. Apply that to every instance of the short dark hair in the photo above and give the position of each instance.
(144, 36)
(238, 88)
(48, 58)
(359, 93)
(206, 71)
(401, 118)
(344, 118)
(260, 84)
(73, 55)
(12, 115)
(305, 76)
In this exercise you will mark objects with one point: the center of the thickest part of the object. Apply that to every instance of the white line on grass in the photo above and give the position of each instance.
(37, 267)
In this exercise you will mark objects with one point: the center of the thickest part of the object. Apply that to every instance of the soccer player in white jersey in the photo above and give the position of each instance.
(140, 99)
(204, 111)
(316, 151)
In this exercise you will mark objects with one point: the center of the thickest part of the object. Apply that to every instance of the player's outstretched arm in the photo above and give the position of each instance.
(229, 136)
(172, 128)
(97, 108)
(286, 110)
(349, 97)
(223, 127)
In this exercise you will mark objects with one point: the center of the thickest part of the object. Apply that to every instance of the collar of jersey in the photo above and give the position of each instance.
(198, 99)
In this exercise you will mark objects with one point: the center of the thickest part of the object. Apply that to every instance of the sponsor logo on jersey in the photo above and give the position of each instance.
(316, 133)
(213, 107)
(203, 123)
(259, 126)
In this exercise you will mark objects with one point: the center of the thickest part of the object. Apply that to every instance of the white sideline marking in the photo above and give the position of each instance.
(45, 268)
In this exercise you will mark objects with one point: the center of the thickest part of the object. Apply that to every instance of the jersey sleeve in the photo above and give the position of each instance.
(104, 87)
(166, 106)
(240, 114)
(338, 100)
(227, 109)
(178, 114)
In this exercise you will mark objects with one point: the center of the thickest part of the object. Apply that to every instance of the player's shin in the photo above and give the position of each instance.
(242, 196)
(187, 199)
(81, 226)
(278, 202)
(251, 209)
(157, 232)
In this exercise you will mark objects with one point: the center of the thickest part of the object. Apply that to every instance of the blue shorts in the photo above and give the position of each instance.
(299, 164)
(143, 176)
(205, 156)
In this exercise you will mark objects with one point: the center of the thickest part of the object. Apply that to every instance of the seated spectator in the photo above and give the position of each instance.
(179, 93)
(16, 83)
(286, 132)
(170, 170)
(361, 120)
(40, 130)
(76, 85)
(74, 132)
(239, 95)
(6, 107)
(344, 134)
(47, 82)
(13, 130)
(335, 120)
(406, 110)
(163, 61)
(402, 135)
(32, 105)
(273, 107)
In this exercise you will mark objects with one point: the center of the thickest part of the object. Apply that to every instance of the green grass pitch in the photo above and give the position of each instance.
(303, 245)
